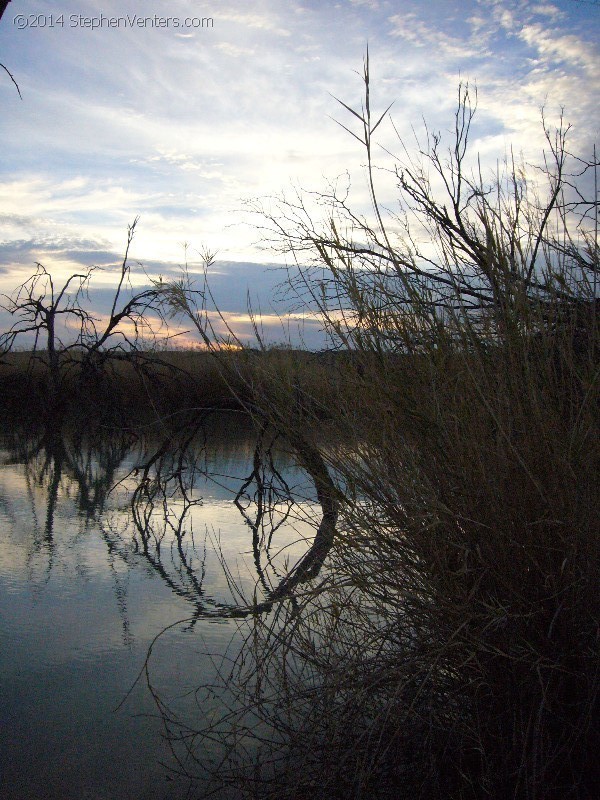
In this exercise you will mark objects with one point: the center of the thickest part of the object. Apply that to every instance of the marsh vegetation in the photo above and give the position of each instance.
(449, 649)
(442, 640)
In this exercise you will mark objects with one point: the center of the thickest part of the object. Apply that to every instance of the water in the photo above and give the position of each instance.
(84, 593)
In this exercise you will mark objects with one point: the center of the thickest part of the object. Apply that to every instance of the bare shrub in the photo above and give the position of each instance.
(449, 648)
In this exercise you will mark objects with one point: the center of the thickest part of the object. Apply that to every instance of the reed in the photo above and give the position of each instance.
(449, 648)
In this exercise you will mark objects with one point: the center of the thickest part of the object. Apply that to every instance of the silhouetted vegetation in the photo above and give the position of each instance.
(449, 648)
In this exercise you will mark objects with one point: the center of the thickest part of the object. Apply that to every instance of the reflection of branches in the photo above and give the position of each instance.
(164, 496)
(269, 494)
(94, 470)
(66, 461)
(58, 461)
(310, 565)
(272, 492)
(160, 507)
(54, 453)
(161, 517)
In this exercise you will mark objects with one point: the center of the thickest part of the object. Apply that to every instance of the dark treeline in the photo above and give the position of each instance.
(151, 383)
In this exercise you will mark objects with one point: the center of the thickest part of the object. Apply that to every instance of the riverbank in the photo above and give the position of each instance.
(164, 382)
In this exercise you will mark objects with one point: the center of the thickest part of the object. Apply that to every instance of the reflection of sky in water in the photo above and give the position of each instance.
(80, 603)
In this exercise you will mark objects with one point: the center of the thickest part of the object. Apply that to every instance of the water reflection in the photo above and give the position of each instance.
(166, 481)
(107, 540)
(59, 464)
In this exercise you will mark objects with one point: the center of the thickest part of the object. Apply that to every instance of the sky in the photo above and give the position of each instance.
(185, 113)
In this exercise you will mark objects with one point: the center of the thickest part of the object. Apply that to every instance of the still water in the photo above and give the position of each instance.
(88, 581)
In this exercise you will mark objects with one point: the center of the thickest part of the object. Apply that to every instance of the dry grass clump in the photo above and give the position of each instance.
(449, 648)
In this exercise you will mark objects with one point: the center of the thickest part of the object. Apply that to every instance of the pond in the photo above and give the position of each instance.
(90, 579)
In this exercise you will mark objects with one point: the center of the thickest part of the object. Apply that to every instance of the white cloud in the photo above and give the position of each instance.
(423, 35)
(554, 47)
(234, 50)
(548, 10)
(181, 128)
(259, 21)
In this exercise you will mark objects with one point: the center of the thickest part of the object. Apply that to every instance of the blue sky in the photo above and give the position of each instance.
(183, 125)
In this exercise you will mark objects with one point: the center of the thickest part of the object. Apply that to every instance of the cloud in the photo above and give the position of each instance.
(181, 129)
(234, 296)
(554, 48)
(235, 50)
(548, 10)
(416, 31)
(266, 21)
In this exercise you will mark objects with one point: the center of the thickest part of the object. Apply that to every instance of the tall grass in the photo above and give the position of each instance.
(450, 646)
